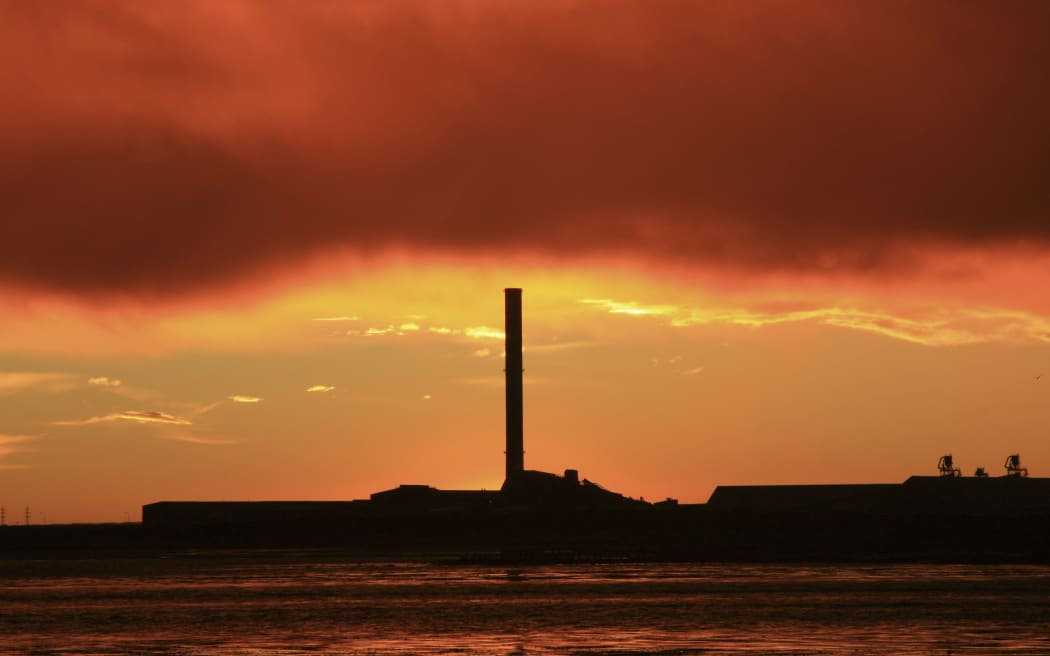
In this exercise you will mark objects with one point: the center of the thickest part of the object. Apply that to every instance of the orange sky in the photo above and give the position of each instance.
(256, 250)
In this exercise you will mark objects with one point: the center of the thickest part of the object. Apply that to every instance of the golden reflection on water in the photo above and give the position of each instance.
(303, 605)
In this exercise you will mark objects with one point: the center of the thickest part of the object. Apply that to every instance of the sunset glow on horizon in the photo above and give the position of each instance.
(257, 251)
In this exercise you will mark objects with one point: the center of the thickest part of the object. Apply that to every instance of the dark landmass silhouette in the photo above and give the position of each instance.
(688, 533)
(543, 517)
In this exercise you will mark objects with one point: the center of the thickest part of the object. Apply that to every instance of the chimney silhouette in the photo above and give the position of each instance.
(513, 369)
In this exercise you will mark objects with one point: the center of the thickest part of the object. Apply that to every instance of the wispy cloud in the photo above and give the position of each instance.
(103, 381)
(692, 372)
(15, 381)
(630, 307)
(441, 330)
(936, 327)
(136, 416)
(482, 353)
(671, 361)
(198, 409)
(484, 332)
(373, 332)
(190, 438)
(942, 327)
(320, 388)
(389, 329)
(559, 346)
(8, 447)
(240, 398)
(6, 439)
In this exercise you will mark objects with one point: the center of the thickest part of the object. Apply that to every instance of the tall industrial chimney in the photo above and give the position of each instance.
(515, 413)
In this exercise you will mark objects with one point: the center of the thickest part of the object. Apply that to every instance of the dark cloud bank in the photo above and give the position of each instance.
(163, 147)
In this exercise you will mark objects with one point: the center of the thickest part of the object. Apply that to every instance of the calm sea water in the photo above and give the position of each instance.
(302, 604)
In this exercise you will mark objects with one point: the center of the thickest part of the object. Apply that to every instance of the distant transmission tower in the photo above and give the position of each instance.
(27, 515)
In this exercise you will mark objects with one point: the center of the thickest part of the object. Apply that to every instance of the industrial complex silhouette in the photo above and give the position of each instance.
(543, 517)
(524, 490)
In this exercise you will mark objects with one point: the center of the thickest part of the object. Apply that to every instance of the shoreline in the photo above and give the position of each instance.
(649, 537)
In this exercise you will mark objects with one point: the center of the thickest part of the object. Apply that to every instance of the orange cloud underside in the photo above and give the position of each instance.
(196, 144)
(949, 298)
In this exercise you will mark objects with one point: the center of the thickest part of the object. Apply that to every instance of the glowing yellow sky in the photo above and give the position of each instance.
(337, 384)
